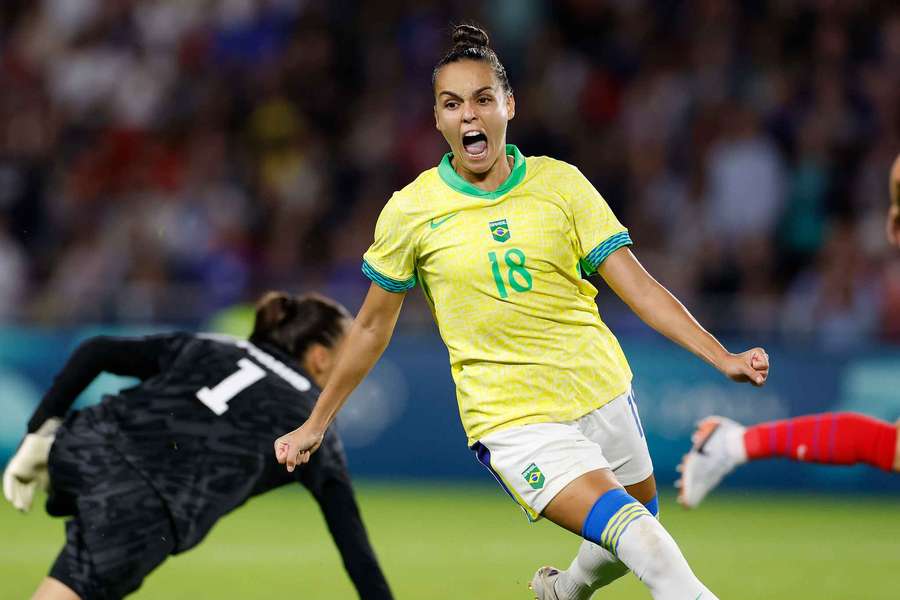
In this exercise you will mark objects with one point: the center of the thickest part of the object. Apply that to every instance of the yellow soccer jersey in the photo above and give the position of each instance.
(500, 271)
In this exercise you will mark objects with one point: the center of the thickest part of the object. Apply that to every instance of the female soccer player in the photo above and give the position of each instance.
(149, 471)
(499, 243)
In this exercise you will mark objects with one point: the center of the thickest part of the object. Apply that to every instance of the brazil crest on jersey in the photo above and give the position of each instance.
(501, 272)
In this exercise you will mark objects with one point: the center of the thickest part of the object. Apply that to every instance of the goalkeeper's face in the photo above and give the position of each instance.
(472, 110)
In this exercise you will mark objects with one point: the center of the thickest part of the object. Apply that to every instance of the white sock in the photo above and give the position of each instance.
(651, 553)
(734, 443)
(592, 568)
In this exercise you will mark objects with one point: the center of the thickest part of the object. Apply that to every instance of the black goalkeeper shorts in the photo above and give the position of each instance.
(119, 530)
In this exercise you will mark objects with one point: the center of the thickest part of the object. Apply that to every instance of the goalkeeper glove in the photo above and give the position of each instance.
(27, 471)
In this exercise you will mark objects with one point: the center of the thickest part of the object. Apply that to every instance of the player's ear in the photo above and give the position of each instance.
(436, 124)
(510, 107)
(318, 362)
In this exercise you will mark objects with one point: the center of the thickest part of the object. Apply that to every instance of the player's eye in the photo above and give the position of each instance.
(451, 104)
(484, 100)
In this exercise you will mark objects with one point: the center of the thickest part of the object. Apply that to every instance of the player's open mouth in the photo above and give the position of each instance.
(475, 144)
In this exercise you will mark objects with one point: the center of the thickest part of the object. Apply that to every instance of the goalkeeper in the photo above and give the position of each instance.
(147, 472)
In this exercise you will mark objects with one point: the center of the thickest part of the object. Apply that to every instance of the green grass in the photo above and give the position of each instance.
(460, 543)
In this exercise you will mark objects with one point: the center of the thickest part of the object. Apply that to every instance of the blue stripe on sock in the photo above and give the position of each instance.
(653, 506)
(604, 508)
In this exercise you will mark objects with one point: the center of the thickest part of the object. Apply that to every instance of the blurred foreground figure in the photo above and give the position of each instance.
(893, 218)
(721, 444)
(147, 472)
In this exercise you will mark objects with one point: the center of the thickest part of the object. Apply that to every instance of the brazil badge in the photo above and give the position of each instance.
(499, 230)
(533, 476)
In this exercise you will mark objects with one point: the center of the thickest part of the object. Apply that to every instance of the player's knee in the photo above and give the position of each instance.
(612, 514)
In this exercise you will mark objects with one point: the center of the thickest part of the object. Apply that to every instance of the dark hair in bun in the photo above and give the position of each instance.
(472, 42)
(294, 323)
(469, 36)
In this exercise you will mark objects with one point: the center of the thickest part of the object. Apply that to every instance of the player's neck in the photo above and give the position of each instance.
(491, 179)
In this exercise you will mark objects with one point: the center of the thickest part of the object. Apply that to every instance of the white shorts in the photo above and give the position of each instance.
(535, 462)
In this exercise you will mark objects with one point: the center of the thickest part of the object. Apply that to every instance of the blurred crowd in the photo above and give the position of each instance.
(164, 159)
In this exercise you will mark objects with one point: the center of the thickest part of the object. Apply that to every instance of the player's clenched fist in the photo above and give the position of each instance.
(296, 447)
(749, 366)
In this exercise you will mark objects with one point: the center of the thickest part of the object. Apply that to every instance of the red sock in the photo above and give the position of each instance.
(827, 438)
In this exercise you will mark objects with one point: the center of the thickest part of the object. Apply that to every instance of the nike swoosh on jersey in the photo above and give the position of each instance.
(438, 223)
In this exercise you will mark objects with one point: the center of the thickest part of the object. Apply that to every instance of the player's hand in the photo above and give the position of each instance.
(750, 366)
(892, 226)
(27, 471)
(296, 447)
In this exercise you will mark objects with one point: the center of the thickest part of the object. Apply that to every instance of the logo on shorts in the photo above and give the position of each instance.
(533, 476)
(499, 230)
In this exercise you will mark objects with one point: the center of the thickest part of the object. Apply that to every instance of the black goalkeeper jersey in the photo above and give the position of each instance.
(201, 424)
(200, 428)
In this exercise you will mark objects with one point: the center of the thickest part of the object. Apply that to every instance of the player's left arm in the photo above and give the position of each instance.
(331, 488)
(657, 307)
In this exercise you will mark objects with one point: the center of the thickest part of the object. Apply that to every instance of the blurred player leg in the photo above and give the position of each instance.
(720, 445)
(51, 589)
(827, 438)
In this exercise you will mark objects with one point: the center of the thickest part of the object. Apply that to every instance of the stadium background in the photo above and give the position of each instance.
(163, 162)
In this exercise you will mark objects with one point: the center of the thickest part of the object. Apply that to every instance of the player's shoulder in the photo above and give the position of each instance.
(415, 201)
(549, 167)
(414, 195)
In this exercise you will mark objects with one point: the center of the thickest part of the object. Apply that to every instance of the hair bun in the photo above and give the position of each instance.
(469, 36)
(272, 308)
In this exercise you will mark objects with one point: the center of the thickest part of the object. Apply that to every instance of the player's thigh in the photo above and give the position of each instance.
(534, 463)
(643, 491)
(572, 505)
(120, 533)
(616, 427)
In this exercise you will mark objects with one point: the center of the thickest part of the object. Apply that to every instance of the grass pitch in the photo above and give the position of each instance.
(461, 542)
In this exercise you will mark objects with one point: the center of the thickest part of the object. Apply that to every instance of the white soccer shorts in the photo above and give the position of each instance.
(535, 462)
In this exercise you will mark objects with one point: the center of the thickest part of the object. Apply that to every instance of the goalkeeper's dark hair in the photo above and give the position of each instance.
(294, 323)
(471, 42)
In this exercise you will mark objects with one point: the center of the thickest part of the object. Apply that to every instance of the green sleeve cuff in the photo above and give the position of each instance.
(595, 257)
(388, 283)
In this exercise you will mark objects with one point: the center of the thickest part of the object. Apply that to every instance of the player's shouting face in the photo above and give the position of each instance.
(471, 110)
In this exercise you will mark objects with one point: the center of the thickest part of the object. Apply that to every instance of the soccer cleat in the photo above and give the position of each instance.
(542, 583)
(710, 459)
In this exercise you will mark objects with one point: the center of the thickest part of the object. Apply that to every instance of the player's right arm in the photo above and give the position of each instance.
(368, 337)
(892, 225)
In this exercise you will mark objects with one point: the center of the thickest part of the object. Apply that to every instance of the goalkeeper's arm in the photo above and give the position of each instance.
(132, 357)
(334, 494)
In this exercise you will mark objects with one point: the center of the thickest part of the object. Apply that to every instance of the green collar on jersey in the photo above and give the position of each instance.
(455, 181)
